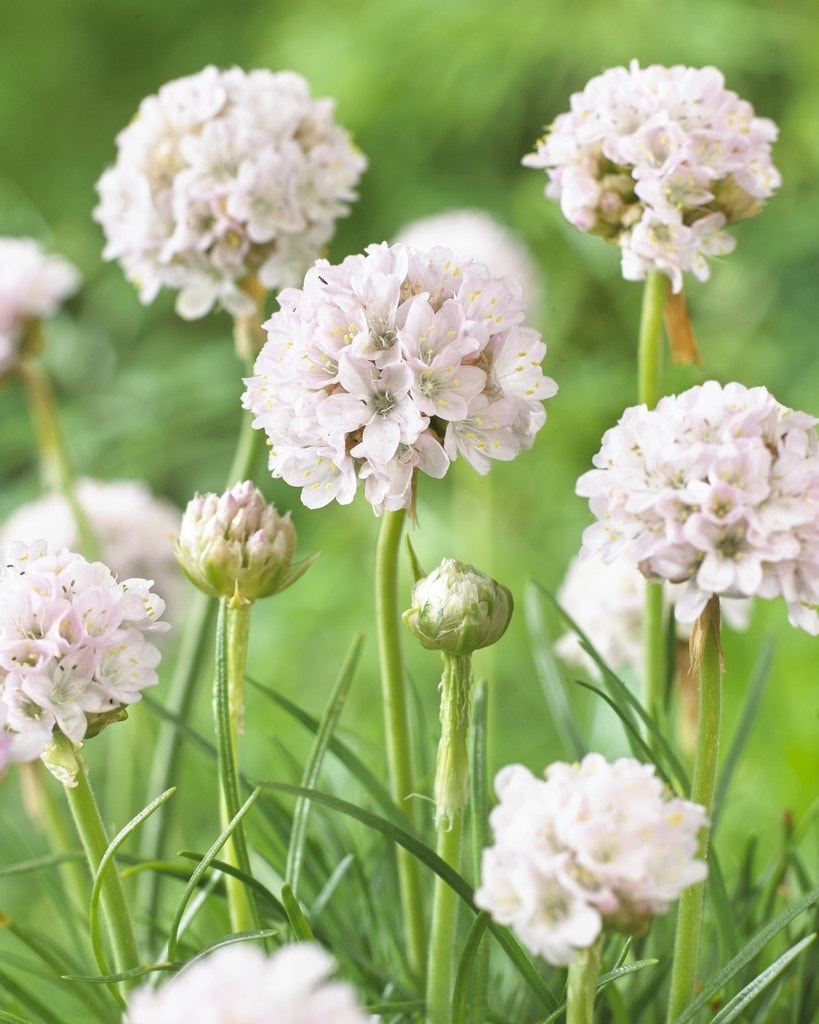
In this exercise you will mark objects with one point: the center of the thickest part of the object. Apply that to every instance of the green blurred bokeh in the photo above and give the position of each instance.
(444, 99)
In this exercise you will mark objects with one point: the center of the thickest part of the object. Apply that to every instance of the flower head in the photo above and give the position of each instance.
(594, 846)
(224, 175)
(659, 161)
(717, 488)
(237, 546)
(458, 609)
(239, 984)
(391, 362)
(131, 526)
(73, 647)
(33, 284)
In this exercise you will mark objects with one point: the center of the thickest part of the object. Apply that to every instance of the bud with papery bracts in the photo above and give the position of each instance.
(458, 609)
(237, 546)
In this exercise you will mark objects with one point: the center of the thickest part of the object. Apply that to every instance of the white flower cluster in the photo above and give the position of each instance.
(225, 175)
(73, 650)
(239, 984)
(595, 846)
(658, 160)
(391, 362)
(131, 526)
(717, 487)
(607, 601)
(33, 284)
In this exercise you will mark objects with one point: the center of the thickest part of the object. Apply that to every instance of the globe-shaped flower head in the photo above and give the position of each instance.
(717, 488)
(224, 176)
(395, 361)
(658, 161)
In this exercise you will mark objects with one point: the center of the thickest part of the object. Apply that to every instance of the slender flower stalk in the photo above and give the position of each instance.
(396, 728)
(583, 973)
(707, 652)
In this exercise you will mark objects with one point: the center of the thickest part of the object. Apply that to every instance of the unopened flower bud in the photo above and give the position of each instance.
(458, 609)
(237, 546)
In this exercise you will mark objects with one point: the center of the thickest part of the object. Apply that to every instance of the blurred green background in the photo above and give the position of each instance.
(444, 99)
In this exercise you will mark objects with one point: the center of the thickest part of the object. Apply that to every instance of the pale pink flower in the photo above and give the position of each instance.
(73, 650)
(658, 161)
(240, 984)
(223, 175)
(391, 362)
(595, 846)
(33, 285)
(717, 488)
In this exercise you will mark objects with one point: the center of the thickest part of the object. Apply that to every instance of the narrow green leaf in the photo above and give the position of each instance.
(39, 863)
(476, 981)
(329, 887)
(29, 1001)
(266, 896)
(10, 1018)
(295, 915)
(329, 721)
(462, 1011)
(735, 1007)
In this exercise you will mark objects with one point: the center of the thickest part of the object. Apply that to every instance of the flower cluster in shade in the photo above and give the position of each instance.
(479, 235)
(33, 285)
(132, 529)
(606, 600)
(594, 846)
(221, 176)
(240, 984)
(73, 646)
(717, 487)
(393, 361)
(659, 160)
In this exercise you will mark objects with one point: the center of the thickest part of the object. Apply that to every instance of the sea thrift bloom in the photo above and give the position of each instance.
(596, 846)
(391, 362)
(477, 234)
(73, 647)
(717, 488)
(607, 601)
(132, 529)
(237, 546)
(224, 175)
(659, 161)
(33, 285)
(239, 984)
(458, 609)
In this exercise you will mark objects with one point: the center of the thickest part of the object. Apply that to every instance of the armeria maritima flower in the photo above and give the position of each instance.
(225, 175)
(33, 285)
(73, 647)
(659, 160)
(718, 488)
(391, 362)
(239, 984)
(594, 846)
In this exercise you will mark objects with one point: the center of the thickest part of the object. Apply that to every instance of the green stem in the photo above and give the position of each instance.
(583, 973)
(689, 915)
(396, 727)
(231, 657)
(444, 918)
(649, 389)
(91, 830)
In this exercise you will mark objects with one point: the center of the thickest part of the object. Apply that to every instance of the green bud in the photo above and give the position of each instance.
(458, 609)
(237, 546)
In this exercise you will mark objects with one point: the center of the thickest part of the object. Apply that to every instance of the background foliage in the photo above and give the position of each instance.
(444, 99)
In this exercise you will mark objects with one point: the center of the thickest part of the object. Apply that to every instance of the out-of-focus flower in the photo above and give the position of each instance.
(239, 984)
(659, 160)
(223, 176)
(458, 609)
(717, 488)
(478, 235)
(237, 546)
(33, 285)
(607, 601)
(595, 846)
(391, 362)
(132, 528)
(73, 647)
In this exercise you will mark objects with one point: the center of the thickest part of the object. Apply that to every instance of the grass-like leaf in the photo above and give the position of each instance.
(463, 1007)
(329, 720)
(734, 1008)
(302, 931)
(39, 863)
(30, 1001)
